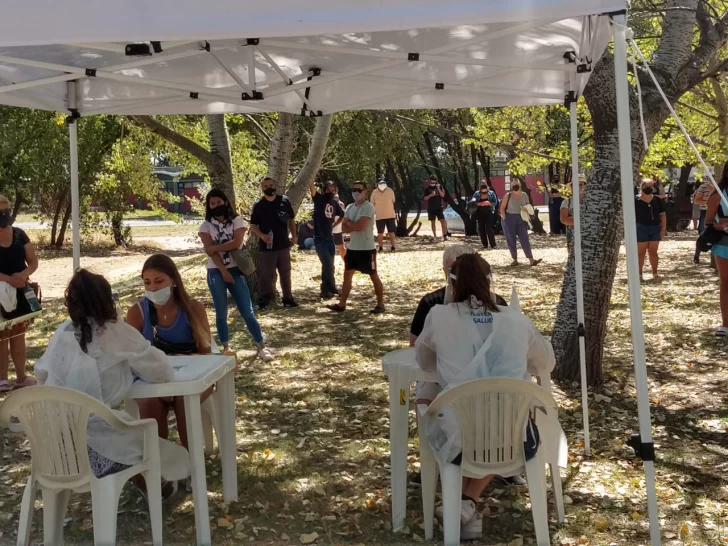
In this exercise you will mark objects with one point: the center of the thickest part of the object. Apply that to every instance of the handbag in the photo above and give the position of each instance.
(243, 260)
(709, 238)
(187, 348)
(29, 301)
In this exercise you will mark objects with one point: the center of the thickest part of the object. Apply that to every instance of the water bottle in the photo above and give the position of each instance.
(269, 246)
(31, 298)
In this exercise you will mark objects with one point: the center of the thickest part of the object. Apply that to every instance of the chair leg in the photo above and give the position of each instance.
(207, 430)
(452, 486)
(105, 503)
(54, 511)
(428, 473)
(27, 508)
(536, 476)
(153, 479)
(558, 493)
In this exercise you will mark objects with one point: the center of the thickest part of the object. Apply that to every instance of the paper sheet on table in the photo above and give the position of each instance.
(190, 368)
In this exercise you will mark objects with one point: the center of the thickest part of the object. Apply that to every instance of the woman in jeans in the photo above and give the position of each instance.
(222, 232)
(17, 262)
(513, 224)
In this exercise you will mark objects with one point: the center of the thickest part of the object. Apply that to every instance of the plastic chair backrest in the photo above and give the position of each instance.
(55, 421)
(493, 413)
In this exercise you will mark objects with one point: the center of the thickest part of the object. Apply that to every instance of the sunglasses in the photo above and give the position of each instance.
(357, 190)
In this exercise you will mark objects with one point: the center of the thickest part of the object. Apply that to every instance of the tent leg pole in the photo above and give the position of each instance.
(75, 211)
(635, 301)
(579, 277)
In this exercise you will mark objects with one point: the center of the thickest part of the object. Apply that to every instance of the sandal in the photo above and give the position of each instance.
(336, 308)
(5, 386)
(514, 263)
(27, 382)
(378, 310)
(534, 263)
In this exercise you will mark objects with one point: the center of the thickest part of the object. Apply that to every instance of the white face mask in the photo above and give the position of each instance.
(382, 187)
(160, 297)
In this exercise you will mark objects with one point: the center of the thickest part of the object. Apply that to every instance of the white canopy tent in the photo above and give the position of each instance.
(320, 57)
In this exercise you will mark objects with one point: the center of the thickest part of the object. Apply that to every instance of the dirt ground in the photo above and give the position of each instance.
(313, 428)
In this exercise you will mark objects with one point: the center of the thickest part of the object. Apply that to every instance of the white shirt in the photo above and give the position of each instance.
(221, 233)
(117, 355)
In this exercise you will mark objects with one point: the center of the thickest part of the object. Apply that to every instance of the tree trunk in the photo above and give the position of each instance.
(281, 149)
(64, 225)
(307, 175)
(16, 205)
(56, 218)
(221, 170)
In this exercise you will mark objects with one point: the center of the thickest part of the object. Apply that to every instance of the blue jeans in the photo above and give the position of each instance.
(241, 295)
(326, 250)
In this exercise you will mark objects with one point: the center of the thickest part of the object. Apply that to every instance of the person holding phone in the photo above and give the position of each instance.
(435, 195)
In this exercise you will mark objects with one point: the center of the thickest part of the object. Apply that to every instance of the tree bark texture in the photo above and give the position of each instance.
(221, 169)
(281, 149)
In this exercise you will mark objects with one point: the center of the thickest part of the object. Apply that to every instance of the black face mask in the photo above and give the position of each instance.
(516, 187)
(4, 218)
(220, 210)
(270, 192)
(648, 191)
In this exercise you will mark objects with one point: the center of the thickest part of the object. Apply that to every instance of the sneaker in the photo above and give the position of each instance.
(378, 310)
(336, 308)
(722, 332)
(327, 296)
(381, 249)
(473, 530)
(263, 305)
(393, 249)
(514, 263)
(467, 512)
(264, 353)
(289, 304)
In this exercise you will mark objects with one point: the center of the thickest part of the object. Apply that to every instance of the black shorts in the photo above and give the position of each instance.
(363, 261)
(338, 238)
(648, 234)
(435, 215)
(389, 223)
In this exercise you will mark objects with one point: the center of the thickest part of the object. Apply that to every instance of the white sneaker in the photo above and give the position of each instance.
(467, 512)
(473, 530)
(264, 353)
(722, 332)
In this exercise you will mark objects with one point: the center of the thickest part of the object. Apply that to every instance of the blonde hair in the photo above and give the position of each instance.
(452, 253)
(5, 200)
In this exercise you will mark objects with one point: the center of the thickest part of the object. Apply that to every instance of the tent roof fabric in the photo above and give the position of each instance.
(321, 56)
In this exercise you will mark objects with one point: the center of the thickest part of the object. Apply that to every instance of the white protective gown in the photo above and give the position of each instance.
(116, 356)
(461, 343)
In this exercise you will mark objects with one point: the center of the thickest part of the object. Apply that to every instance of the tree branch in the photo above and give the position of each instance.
(191, 147)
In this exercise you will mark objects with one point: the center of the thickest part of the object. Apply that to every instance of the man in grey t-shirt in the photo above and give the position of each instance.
(361, 255)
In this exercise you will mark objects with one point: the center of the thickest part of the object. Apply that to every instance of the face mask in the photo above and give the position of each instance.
(160, 297)
(382, 187)
(270, 192)
(356, 195)
(4, 218)
(648, 190)
(220, 210)
(516, 187)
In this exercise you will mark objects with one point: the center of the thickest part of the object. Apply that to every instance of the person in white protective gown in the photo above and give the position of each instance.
(100, 355)
(472, 337)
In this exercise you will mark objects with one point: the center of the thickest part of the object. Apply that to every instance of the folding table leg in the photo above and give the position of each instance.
(227, 436)
(398, 433)
(195, 438)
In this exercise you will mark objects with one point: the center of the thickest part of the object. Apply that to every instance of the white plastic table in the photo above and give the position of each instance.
(193, 376)
(402, 370)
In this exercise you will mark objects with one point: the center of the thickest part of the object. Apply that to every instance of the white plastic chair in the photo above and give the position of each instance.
(55, 420)
(492, 414)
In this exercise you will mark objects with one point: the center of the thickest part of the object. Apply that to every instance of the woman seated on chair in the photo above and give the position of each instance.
(450, 345)
(174, 323)
(100, 355)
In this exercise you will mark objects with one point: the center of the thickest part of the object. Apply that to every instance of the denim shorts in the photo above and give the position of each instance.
(647, 233)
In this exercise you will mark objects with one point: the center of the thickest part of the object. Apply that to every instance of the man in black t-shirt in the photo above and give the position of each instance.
(325, 209)
(434, 195)
(272, 219)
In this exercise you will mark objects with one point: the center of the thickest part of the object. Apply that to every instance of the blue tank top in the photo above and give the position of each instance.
(179, 332)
